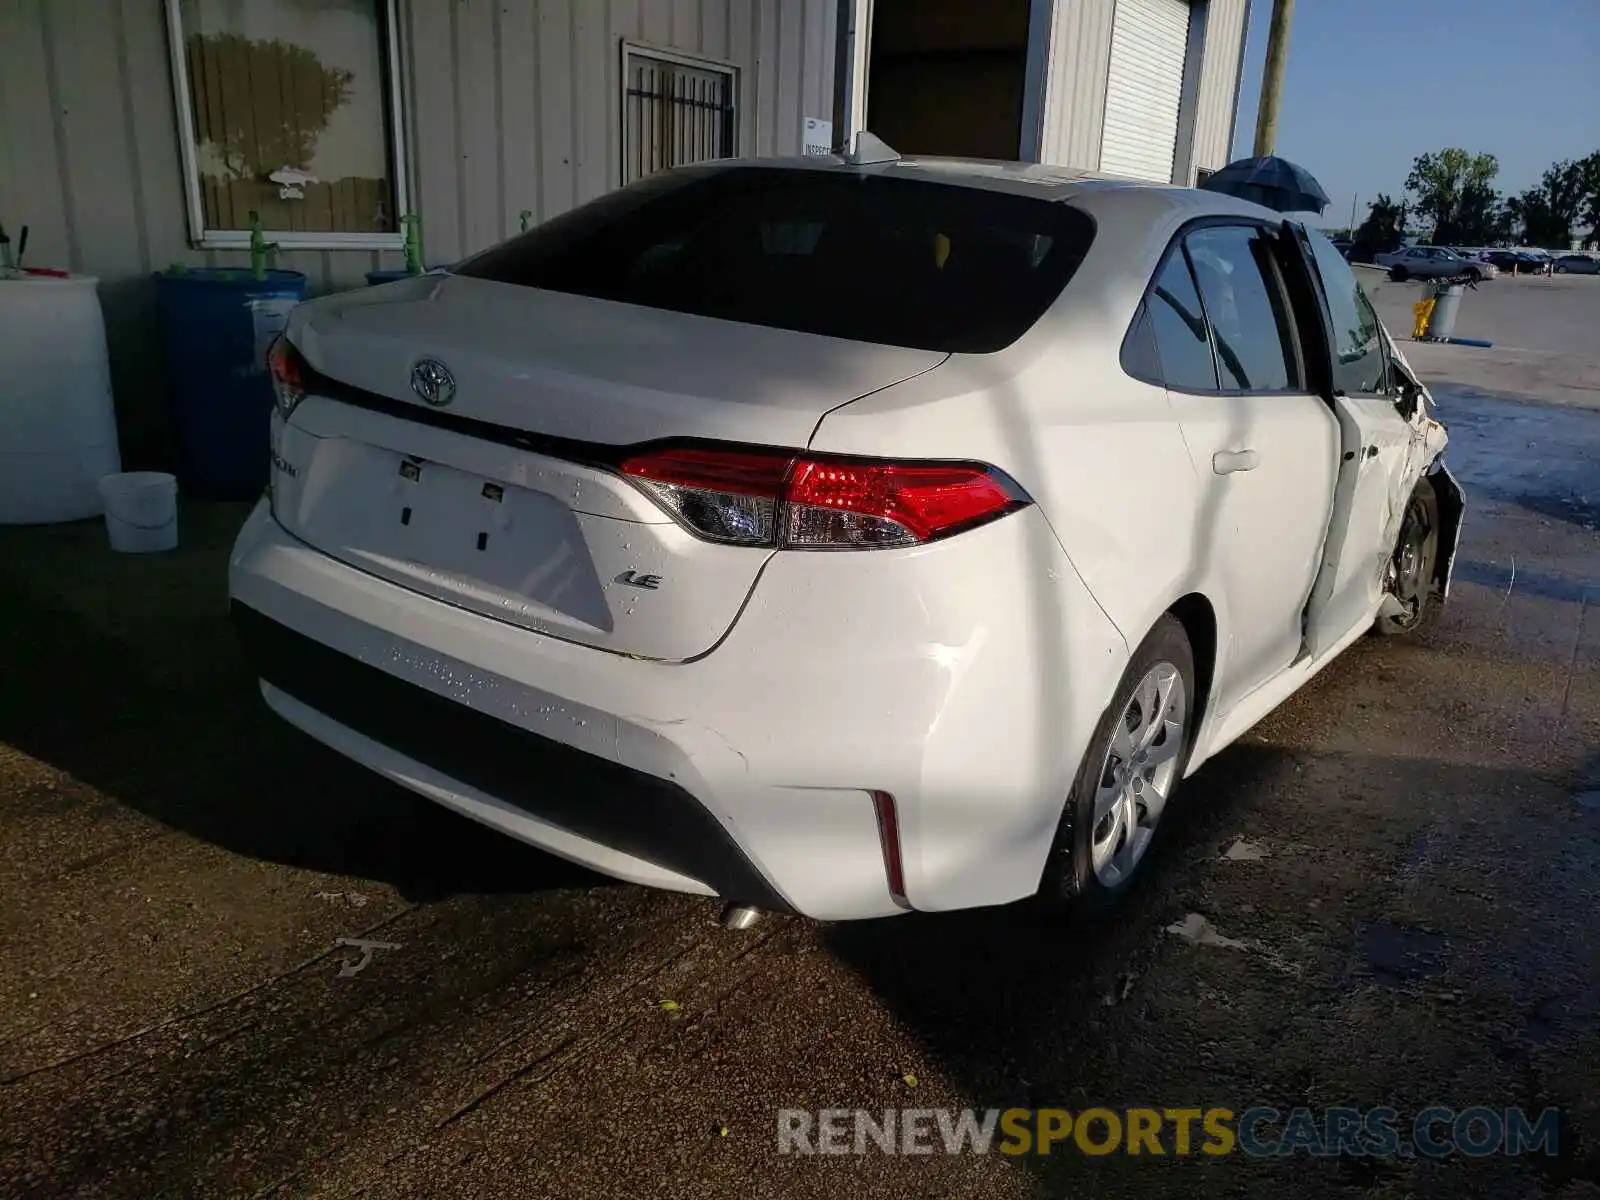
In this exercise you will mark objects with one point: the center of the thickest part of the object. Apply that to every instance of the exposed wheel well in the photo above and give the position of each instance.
(1199, 621)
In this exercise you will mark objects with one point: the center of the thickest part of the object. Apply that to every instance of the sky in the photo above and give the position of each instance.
(1371, 84)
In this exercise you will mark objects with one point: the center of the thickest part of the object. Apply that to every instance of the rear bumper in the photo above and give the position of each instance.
(962, 678)
(637, 815)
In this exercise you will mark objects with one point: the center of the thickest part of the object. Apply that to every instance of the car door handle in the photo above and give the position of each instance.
(1226, 462)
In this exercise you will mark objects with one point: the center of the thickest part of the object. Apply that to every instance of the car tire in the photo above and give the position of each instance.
(1475, 275)
(1399, 274)
(1560, 270)
(1409, 573)
(1094, 860)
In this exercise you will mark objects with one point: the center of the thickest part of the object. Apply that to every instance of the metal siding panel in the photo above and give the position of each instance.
(83, 45)
(433, 124)
(520, 105)
(817, 65)
(743, 17)
(1219, 82)
(622, 18)
(790, 44)
(656, 19)
(595, 110)
(1075, 87)
(151, 123)
(684, 27)
(1144, 88)
(713, 33)
(482, 141)
(768, 17)
(32, 176)
(558, 119)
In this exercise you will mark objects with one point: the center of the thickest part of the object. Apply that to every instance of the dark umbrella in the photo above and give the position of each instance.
(1274, 182)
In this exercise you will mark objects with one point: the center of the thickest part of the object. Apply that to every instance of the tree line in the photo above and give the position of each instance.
(1451, 194)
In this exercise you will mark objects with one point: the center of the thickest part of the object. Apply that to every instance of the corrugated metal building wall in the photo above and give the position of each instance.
(1073, 118)
(510, 104)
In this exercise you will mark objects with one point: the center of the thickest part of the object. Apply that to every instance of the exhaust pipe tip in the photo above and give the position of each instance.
(739, 916)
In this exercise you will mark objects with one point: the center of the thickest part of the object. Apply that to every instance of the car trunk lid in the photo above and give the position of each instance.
(505, 500)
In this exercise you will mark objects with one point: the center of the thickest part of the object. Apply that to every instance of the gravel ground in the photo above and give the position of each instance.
(1414, 906)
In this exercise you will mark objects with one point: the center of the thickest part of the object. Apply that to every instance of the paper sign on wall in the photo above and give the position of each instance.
(817, 137)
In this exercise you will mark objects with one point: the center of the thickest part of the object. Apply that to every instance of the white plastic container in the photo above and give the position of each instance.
(141, 511)
(58, 430)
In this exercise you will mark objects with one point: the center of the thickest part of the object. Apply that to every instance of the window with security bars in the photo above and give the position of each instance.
(676, 110)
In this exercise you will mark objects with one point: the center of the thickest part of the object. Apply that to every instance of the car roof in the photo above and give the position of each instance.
(1040, 180)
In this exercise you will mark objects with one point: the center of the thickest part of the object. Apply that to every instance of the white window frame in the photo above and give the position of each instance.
(201, 238)
(628, 49)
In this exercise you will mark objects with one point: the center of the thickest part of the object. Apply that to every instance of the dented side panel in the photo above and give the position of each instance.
(1452, 513)
(1386, 446)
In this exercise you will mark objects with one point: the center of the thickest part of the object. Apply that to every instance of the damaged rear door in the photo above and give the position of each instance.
(1383, 452)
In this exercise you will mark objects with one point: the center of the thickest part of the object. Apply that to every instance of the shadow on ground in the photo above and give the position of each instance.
(136, 687)
(1402, 946)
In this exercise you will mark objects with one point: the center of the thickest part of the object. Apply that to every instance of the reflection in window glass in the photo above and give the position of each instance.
(288, 99)
(1358, 350)
(1246, 307)
(872, 258)
(1180, 329)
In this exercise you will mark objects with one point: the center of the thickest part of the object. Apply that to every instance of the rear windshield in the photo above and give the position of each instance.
(875, 259)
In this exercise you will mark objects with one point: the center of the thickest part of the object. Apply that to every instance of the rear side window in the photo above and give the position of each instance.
(867, 257)
(1358, 354)
(1246, 307)
(1179, 326)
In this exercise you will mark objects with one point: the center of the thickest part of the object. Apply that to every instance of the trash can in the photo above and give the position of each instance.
(217, 324)
(1446, 304)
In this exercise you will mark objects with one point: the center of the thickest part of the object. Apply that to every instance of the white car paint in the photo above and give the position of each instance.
(782, 689)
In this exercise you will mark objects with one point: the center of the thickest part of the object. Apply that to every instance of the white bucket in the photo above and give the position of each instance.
(141, 511)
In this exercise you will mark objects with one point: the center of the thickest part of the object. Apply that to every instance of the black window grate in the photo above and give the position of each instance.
(675, 114)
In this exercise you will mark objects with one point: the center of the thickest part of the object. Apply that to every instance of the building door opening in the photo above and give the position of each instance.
(946, 76)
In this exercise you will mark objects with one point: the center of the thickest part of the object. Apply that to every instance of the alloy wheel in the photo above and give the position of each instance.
(1139, 772)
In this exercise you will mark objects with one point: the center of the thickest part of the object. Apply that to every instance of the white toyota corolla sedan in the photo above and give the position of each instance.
(839, 538)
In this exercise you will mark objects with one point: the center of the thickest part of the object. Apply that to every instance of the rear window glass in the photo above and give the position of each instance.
(867, 257)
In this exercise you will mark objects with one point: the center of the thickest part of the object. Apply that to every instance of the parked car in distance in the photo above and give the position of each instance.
(1577, 264)
(1509, 260)
(1431, 262)
(765, 529)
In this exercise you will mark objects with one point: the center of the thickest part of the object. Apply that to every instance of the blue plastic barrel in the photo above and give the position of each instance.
(217, 324)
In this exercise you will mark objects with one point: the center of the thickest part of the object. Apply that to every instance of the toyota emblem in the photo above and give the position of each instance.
(432, 380)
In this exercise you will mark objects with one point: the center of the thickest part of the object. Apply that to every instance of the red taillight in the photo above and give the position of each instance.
(766, 498)
(727, 496)
(875, 504)
(288, 370)
(889, 836)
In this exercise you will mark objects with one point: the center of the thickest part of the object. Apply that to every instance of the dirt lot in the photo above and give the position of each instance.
(1416, 906)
